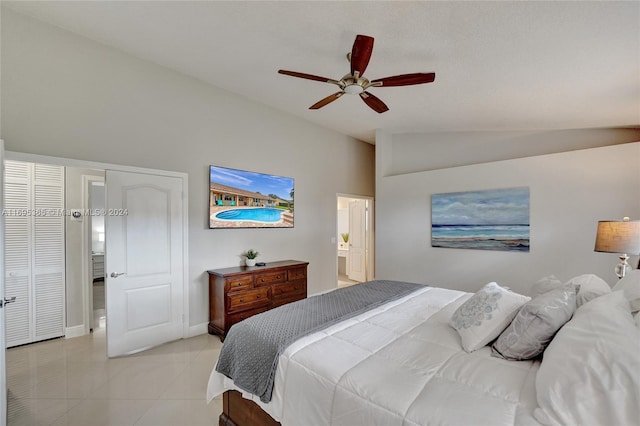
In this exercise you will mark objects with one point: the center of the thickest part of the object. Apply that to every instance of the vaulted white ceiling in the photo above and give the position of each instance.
(500, 66)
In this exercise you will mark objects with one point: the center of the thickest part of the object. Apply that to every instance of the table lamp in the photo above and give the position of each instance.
(622, 237)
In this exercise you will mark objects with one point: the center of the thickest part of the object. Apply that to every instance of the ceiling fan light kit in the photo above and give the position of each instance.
(355, 84)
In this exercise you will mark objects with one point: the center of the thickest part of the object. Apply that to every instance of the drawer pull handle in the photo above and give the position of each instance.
(258, 297)
(241, 300)
(278, 277)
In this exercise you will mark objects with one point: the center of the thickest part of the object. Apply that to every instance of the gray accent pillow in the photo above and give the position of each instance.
(545, 284)
(535, 324)
(591, 286)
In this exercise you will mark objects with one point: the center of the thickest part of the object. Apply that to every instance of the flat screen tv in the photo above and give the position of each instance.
(244, 199)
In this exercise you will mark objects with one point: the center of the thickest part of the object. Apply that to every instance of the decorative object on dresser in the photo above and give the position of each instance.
(622, 237)
(250, 257)
(240, 292)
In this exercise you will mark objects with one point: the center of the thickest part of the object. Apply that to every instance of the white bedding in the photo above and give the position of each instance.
(399, 364)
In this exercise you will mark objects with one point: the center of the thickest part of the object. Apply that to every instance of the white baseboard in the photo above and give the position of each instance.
(198, 329)
(75, 331)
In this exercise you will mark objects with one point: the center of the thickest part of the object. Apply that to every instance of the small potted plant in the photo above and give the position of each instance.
(250, 255)
(345, 239)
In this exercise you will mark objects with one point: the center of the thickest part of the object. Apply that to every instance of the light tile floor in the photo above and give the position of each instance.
(344, 281)
(72, 382)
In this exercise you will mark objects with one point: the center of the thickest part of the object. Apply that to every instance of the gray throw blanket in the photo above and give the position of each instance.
(252, 347)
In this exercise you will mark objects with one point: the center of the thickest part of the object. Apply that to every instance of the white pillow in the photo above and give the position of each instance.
(485, 315)
(589, 371)
(591, 286)
(637, 317)
(630, 284)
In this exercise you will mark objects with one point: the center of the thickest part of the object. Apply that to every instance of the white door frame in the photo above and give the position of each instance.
(3, 340)
(370, 234)
(69, 162)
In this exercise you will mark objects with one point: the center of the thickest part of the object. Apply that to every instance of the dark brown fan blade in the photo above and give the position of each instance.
(374, 103)
(307, 76)
(405, 79)
(326, 100)
(361, 53)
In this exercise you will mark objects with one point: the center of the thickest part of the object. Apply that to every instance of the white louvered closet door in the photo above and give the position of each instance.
(34, 251)
(17, 251)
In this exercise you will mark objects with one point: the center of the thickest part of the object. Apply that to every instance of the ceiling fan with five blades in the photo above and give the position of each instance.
(355, 83)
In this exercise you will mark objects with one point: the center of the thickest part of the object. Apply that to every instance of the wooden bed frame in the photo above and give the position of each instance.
(237, 411)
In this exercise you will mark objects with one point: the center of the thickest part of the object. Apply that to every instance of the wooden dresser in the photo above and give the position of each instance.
(242, 291)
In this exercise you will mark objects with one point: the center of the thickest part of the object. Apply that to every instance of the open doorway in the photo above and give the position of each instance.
(355, 239)
(96, 201)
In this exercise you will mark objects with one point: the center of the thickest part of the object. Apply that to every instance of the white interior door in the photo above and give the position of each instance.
(34, 258)
(143, 260)
(357, 241)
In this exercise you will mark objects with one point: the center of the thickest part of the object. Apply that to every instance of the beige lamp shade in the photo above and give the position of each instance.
(618, 237)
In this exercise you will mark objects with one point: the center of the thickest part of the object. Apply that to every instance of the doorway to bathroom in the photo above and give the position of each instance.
(96, 199)
(354, 239)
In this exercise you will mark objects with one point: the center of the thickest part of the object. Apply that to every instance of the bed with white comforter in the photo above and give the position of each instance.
(403, 363)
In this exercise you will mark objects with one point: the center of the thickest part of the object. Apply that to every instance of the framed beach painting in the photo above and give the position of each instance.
(495, 219)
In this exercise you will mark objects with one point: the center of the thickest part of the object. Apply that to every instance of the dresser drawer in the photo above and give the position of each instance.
(297, 274)
(240, 283)
(237, 317)
(287, 289)
(271, 278)
(248, 299)
(287, 298)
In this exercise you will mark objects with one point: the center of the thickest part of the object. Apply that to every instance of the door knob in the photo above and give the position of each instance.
(117, 274)
(7, 300)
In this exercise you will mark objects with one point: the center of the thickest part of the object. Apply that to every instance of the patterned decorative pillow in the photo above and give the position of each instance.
(484, 315)
(535, 324)
(591, 286)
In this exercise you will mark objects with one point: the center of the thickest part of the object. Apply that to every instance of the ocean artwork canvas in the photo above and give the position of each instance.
(495, 219)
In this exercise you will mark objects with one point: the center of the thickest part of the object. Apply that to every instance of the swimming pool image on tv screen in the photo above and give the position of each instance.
(253, 215)
(246, 199)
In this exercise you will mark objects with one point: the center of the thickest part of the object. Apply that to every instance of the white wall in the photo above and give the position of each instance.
(67, 96)
(569, 193)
